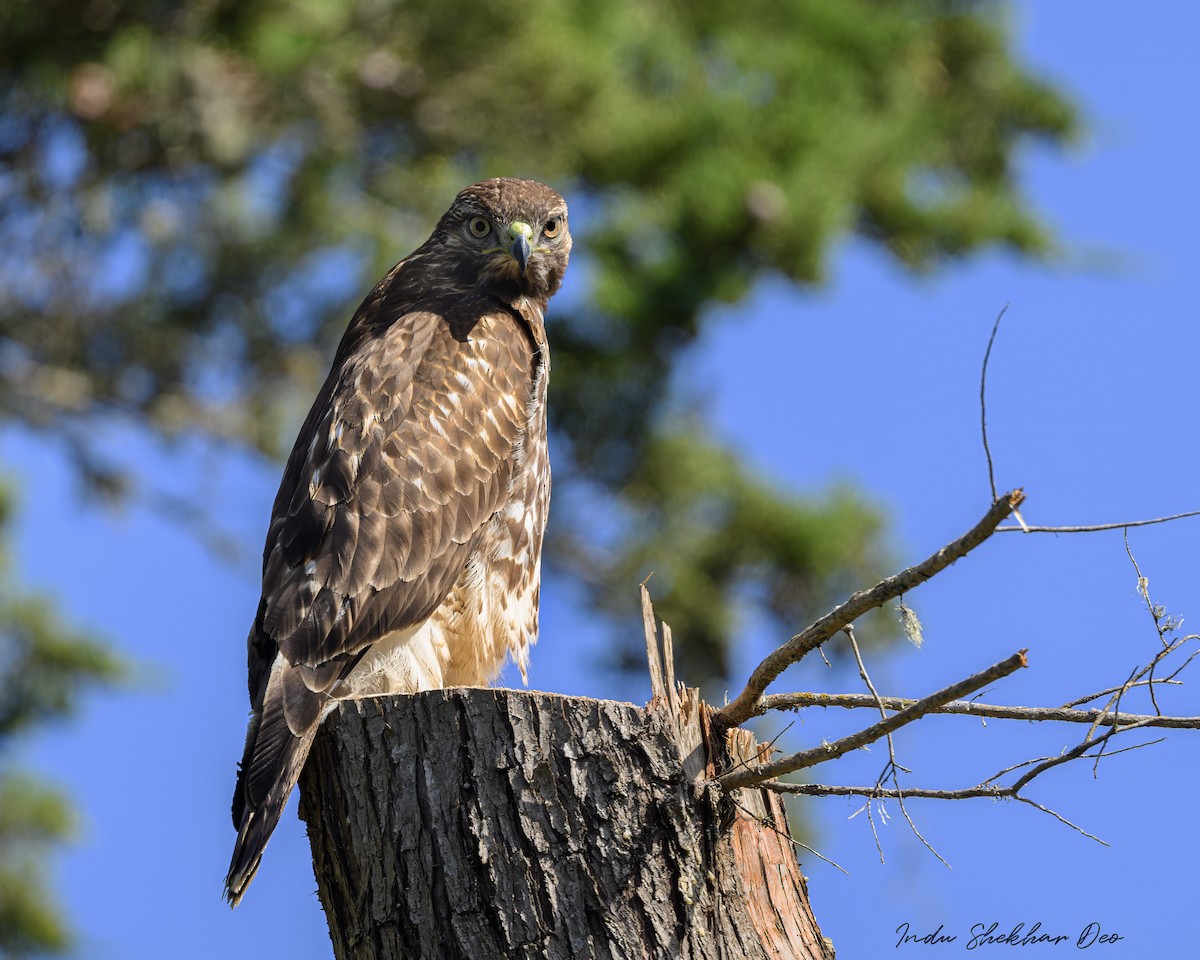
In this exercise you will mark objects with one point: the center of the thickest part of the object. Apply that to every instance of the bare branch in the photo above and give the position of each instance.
(1109, 719)
(1096, 528)
(799, 701)
(744, 707)
(988, 788)
(1114, 704)
(1077, 751)
(1103, 723)
(970, 793)
(815, 755)
(866, 678)
(881, 793)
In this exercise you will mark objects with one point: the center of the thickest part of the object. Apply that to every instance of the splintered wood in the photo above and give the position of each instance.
(763, 858)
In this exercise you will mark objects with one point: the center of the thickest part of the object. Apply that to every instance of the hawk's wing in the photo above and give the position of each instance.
(404, 457)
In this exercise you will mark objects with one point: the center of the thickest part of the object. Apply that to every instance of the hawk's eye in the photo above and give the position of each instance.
(553, 225)
(480, 227)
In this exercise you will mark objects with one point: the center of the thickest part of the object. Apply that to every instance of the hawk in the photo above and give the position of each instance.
(404, 547)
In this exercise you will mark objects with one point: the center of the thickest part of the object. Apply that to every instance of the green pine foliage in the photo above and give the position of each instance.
(194, 196)
(230, 149)
(44, 667)
(33, 820)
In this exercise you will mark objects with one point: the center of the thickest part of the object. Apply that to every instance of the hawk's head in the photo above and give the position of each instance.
(507, 236)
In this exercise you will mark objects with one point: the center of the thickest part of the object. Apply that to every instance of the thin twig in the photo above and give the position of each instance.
(1111, 690)
(874, 829)
(763, 749)
(762, 821)
(993, 793)
(1034, 761)
(988, 788)
(1067, 756)
(746, 703)
(801, 701)
(1163, 624)
(1097, 527)
(891, 764)
(1116, 709)
(869, 810)
(866, 678)
(1061, 819)
(819, 855)
(1139, 674)
(819, 754)
(1136, 746)
(1114, 703)
(983, 399)
(893, 768)
(1143, 584)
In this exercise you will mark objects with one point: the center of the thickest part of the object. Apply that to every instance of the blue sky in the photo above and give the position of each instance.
(872, 380)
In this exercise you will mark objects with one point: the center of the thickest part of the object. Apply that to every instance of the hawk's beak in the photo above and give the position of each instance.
(520, 236)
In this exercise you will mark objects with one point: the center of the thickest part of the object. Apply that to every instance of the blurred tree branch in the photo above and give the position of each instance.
(191, 196)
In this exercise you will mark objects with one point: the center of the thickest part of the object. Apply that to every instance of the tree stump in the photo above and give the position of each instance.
(478, 824)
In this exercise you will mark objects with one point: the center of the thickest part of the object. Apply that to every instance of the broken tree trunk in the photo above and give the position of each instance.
(481, 823)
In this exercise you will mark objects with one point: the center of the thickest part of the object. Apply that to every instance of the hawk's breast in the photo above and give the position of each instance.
(491, 611)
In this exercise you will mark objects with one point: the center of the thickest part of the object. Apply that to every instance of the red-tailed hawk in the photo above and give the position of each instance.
(405, 541)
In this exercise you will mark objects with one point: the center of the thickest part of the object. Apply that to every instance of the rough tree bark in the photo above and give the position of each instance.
(480, 823)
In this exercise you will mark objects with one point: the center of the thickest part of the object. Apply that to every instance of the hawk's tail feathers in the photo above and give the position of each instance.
(278, 739)
(258, 822)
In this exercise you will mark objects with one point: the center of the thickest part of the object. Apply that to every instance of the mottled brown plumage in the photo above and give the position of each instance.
(404, 546)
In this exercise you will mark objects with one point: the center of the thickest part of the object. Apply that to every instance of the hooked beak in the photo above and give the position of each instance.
(519, 235)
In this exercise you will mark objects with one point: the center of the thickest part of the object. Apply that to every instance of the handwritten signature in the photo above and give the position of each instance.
(1015, 936)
